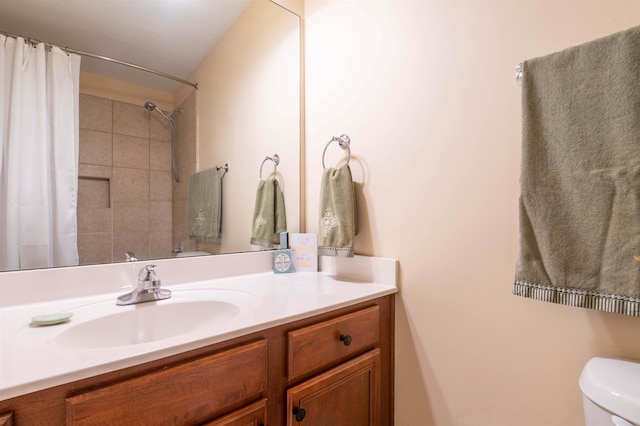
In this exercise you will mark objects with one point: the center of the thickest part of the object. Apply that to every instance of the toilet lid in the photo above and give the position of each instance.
(613, 384)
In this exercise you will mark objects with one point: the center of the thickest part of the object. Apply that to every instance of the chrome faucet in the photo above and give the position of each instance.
(147, 290)
(130, 257)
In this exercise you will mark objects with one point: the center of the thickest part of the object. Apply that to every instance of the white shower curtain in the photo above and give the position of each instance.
(39, 92)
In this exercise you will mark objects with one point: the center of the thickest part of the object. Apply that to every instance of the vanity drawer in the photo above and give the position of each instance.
(188, 393)
(318, 345)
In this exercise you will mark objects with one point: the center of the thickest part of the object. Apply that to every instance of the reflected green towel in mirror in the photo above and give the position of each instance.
(205, 205)
(269, 216)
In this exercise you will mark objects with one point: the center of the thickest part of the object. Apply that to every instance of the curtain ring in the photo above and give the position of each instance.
(276, 161)
(343, 141)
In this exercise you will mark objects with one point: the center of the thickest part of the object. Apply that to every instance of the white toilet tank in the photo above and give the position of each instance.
(611, 392)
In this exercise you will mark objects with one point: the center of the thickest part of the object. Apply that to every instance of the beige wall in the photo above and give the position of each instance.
(248, 108)
(426, 91)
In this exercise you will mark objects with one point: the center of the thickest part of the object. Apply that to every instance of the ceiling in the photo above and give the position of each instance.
(171, 36)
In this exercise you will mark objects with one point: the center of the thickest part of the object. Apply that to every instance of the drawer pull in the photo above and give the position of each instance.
(346, 339)
(299, 413)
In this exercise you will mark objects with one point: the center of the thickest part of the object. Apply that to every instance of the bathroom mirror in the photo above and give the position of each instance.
(246, 108)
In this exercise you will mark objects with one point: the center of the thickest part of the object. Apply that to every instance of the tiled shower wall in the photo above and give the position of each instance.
(125, 181)
(186, 156)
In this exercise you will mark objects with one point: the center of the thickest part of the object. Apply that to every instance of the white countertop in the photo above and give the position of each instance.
(34, 357)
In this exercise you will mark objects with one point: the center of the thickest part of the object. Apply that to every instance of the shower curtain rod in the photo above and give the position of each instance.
(106, 58)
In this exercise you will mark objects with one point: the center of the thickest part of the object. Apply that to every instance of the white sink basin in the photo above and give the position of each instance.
(148, 322)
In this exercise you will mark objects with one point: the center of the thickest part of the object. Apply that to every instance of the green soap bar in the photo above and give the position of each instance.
(51, 319)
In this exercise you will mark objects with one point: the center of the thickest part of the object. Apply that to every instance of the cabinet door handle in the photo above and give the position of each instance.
(299, 413)
(346, 339)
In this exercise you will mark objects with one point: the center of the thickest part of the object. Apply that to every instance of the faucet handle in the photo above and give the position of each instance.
(148, 273)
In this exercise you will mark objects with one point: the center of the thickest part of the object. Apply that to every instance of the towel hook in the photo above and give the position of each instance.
(225, 168)
(276, 161)
(519, 73)
(343, 141)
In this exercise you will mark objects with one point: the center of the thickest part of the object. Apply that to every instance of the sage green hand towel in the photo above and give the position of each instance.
(269, 215)
(580, 181)
(338, 216)
(205, 205)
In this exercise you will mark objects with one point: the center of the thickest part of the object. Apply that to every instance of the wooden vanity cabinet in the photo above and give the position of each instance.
(254, 380)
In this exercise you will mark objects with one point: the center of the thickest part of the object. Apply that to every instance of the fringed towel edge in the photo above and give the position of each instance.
(579, 298)
(261, 242)
(335, 251)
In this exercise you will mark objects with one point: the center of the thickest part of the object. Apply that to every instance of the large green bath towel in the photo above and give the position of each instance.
(580, 181)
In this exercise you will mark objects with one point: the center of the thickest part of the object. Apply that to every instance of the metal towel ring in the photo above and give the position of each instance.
(343, 141)
(276, 161)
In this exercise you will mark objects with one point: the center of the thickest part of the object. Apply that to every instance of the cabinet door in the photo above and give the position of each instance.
(347, 395)
(251, 415)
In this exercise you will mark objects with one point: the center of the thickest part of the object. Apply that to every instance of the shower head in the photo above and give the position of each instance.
(151, 107)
